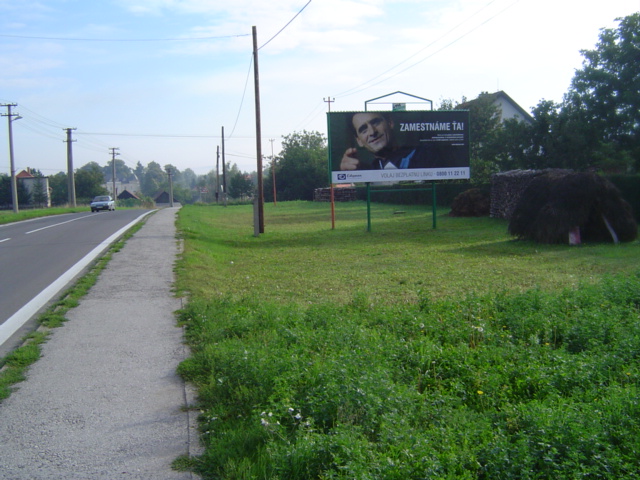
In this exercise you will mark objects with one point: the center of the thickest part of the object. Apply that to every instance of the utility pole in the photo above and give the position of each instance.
(258, 132)
(217, 173)
(71, 189)
(224, 173)
(329, 100)
(14, 183)
(273, 172)
(170, 173)
(113, 167)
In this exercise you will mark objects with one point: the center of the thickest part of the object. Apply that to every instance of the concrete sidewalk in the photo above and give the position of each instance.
(104, 401)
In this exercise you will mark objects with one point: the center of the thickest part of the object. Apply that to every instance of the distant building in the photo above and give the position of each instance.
(507, 108)
(121, 187)
(38, 188)
(162, 198)
(125, 195)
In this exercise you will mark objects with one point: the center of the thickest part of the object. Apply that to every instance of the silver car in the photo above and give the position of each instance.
(103, 202)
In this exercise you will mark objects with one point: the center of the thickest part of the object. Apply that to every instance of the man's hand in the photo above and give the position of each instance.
(349, 160)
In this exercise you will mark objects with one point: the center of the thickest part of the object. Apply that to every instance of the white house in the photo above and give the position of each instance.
(507, 108)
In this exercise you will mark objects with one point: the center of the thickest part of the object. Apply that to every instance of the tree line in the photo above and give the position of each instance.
(595, 127)
(92, 179)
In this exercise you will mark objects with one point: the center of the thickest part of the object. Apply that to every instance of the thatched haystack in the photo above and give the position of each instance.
(585, 206)
(507, 187)
(471, 203)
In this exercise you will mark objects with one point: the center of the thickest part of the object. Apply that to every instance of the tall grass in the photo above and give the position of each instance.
(7, 216)
(523, 365)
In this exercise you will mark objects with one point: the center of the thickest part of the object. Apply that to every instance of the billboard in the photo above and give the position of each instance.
(398, 146)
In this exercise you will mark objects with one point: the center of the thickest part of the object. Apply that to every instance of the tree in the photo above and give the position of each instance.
(59, 185)
(189, 178)
(485, 125)
(5, 189)
(123, 172)
(90, 181)
(153, 180)
(240, 185)
(39, 193)
(300, 168)
(606, 92)
(139, 171)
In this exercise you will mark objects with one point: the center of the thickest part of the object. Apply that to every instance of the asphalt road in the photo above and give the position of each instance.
(40, 258)
(104, 401)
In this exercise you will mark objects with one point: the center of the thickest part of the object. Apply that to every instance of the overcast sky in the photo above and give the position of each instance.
(159, 79)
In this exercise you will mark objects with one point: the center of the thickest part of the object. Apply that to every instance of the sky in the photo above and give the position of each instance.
(159, 80)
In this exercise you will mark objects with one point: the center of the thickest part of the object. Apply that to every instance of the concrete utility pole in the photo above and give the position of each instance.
(70, 175)
(170, 173)
(217, 173)
(113, 167)
(273, 171)
(14, 183)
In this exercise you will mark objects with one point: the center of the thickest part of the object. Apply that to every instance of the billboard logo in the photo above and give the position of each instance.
(342, 176)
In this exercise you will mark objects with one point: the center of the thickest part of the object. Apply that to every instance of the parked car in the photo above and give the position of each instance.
(103, 202)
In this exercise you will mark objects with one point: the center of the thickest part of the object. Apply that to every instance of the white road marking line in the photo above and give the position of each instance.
(18, 319)
(57, 224)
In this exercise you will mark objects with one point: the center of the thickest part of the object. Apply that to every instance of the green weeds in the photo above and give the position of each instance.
(486, 390)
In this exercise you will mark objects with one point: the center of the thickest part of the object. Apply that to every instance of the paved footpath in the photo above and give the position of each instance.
(104, 401)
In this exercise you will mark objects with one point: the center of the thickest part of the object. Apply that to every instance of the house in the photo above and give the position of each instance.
(38, 188)
(132, 186)
(162, 198)
(126, 194)
(507, 108)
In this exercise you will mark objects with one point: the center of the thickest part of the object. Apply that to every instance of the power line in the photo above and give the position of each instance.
(78, 39)
(368, 83)
(288, 23)
(244, 92)
(158, 135)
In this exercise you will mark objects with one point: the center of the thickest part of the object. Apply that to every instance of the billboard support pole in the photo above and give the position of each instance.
(433, 202)
(332, 197)
(368, 206)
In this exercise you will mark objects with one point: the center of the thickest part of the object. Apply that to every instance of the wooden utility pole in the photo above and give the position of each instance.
(224, 173)
(258, 132)
(329, 100)
(71, 182)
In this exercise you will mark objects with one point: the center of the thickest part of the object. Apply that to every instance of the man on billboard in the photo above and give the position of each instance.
(373, 131)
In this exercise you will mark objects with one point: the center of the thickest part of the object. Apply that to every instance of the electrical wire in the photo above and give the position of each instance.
(288, 23)
(126, 40)
(246, 83)
(366, 85)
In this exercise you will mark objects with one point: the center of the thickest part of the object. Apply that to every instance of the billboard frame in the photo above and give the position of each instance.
(399, 106)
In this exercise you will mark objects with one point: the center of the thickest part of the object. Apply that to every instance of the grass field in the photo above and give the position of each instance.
(406, 352)
(301, 259)
(7, 216)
